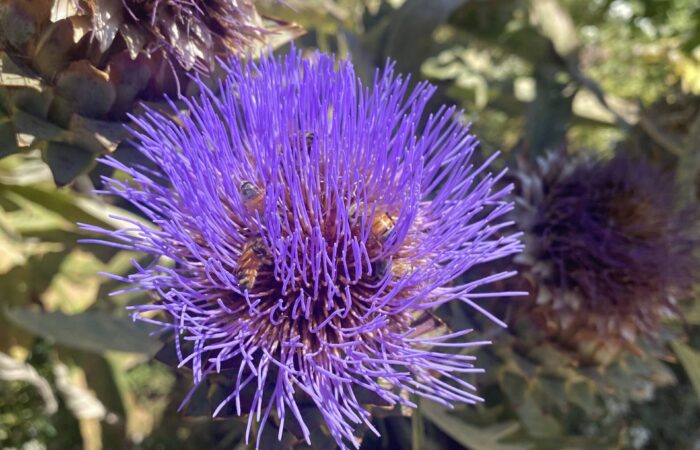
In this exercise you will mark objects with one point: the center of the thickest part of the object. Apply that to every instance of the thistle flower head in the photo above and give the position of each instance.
(608, 244)
(314, 224)
(193, 31)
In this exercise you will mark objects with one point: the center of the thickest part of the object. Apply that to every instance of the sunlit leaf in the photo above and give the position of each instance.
(92, 331)
(475, 438)
(75, 286)
(31, 217)
(690, 359)
(554, 22)
(68, 207)
(11, 251)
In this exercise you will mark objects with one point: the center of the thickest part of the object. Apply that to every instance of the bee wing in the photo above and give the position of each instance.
(428, 325)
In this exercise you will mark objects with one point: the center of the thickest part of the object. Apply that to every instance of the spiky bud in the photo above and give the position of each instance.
(610, 250)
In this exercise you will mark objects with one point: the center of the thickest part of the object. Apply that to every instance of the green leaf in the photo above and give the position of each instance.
(481, 438)
(67, 162)
(29, 100)
(92, 331)
(417, 18)
(198, 405)
(74, 288)
(514, 385)
(312, 418)
(10, 248)
(554, 22)
(582, 394)
(25, 169)
(86, 88)
(30, 218)
(417, 429)
(554, 389)
(13, 75)
(550, 113)
(521, 393)
(72, 208)
(8, 139)
(538, 424)
(31, 128)
(97, 135)
(690, 359)
(693, 315)
(268, 439)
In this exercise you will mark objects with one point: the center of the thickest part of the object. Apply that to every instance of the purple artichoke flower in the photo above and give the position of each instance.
(610, 250)
(313, 225)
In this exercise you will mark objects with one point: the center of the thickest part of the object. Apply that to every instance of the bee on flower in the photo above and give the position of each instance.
(315, 225)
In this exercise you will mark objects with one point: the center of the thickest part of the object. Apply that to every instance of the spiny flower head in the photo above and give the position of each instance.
(609, 248)
(193, 31)
(314, 224)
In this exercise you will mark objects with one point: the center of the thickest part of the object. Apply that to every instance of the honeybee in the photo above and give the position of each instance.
(427, 325)
(253, 197)
(302, 141)
(382, 226)
(253, 257)
(309, 139)
(380, 268)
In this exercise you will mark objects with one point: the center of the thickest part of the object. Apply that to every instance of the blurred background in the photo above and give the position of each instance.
(591, 78)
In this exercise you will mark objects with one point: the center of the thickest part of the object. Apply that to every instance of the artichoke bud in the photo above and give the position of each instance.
(84, 63)
(51, 53)
(18, 24)
(87, 88)
(609, 250)
(130, 78)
